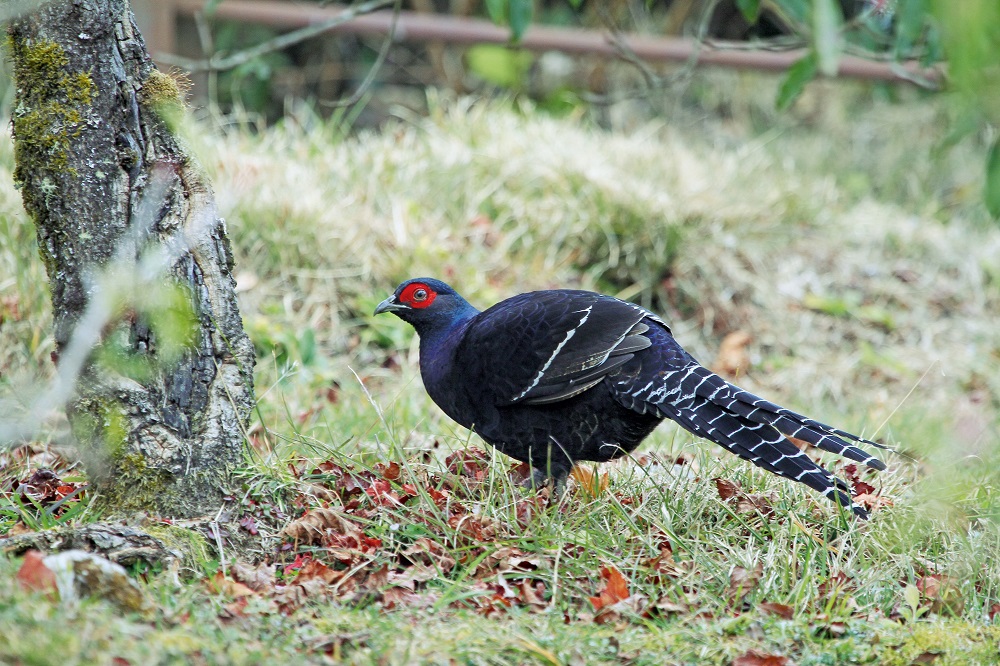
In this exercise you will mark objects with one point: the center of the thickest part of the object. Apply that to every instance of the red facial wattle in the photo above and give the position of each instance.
(417, 295)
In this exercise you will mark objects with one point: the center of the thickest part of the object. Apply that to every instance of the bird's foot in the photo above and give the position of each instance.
(537, 480)
(553, 486)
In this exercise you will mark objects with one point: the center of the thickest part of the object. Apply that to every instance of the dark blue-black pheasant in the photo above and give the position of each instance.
(553, 377)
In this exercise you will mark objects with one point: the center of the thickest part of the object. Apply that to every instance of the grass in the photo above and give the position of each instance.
(848, 245)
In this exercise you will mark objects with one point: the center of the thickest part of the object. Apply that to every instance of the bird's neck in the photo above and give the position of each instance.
(437, 347)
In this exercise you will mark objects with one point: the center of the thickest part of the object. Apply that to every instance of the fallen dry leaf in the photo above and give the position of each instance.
(781, 610)
(311, 527)
(831, 630)
(382, 494)
(756, 658)
(800, 444)
(590, 480)
(615, 588)
(942, 593)
(742, 582)
(756, 503)
(258, 579)
(431, 553)
(726, 488)
(836, 585)
(388, 472)
(219, 584)
(35, 576)
(471, 462)
(664, 607)
(733, 358)
(872, 502)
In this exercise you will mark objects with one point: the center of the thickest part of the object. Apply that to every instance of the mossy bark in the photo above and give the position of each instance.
(91, 138)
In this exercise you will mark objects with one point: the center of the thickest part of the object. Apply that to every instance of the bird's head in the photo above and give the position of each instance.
(427, 304)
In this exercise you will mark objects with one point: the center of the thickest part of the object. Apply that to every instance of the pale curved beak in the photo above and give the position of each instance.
(390, 305)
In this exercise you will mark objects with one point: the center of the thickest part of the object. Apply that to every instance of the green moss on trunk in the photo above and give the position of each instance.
(50, 112)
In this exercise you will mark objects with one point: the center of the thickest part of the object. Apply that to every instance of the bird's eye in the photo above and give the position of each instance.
(420, 295)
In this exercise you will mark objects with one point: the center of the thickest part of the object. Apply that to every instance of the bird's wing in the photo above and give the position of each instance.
(551, 345)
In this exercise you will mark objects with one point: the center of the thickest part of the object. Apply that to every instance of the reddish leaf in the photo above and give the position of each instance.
(800, 444)
(471, 462)
(862, 488)
(222, 585)
(994, 611)
(520, 473)
(34, 575)
(314, 569)
(781, 610)
(836, 585)
(382, 493)
(615, 588)
(727, 488)
(942, 592)
(756, 658)
(388, 472)
(300, 561)
(664, 566)
(532, 595)
(249, 524)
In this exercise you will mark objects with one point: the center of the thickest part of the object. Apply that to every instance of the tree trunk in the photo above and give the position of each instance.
(105, 180)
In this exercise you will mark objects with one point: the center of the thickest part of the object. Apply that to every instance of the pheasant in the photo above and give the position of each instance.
(553, 377)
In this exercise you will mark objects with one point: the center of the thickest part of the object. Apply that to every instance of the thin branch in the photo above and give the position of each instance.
(281, 42)
(379, 61)
(654, 81)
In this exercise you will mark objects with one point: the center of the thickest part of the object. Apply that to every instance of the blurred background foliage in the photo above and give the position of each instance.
(955, 43)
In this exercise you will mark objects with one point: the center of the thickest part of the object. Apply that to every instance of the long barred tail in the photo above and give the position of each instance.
(734, 400)
(751, 427)
(765, 447)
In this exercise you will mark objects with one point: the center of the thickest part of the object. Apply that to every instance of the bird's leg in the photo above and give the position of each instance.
(538, 479)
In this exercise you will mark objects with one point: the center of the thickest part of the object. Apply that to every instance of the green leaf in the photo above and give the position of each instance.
(799, 74)
(911, 17)
(499, 65)
(575, 4)
(521, 12)
(827, 22)
(991, 192)
(750, 10)
(497, 9)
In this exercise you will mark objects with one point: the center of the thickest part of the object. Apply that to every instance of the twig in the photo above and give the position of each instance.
(654, 81)
(218, 63)
(382, 54)
(905, 398)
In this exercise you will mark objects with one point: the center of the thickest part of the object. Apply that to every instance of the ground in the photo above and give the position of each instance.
(846, 246)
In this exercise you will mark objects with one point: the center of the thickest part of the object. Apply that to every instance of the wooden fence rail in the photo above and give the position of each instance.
(157, 19)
